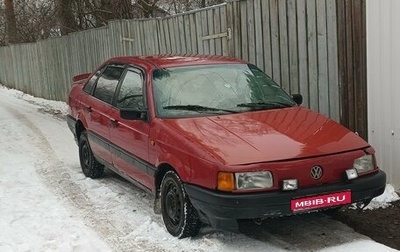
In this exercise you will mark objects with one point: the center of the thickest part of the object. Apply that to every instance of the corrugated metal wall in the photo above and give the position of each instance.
(383, 46)
(295, 41)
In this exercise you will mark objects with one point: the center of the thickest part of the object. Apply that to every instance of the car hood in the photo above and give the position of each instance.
(265, 136)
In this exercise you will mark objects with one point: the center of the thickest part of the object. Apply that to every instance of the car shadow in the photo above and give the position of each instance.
(308, 232)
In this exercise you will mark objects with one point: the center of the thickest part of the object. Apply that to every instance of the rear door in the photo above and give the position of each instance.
(130, 138)
(98, 108)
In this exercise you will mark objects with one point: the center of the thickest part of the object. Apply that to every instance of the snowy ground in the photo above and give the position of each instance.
(48, 205)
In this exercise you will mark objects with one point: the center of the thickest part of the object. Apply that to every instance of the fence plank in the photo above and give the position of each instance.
(188, 37)
(180, 35)
(312, 54)
(323, 88)
(161, 37)
(205, 32)
(251, 44)
(276, 60)
(333, 74)
(217, 29)
(167, 31)
(172, 28)
(224, 28)
(243, 25)
(302, 50)
(193, 33)
(293, 45)
(199, 32)
(284, 49)
(258, 30)
(210, 19)
(236, 31)
(266, 33)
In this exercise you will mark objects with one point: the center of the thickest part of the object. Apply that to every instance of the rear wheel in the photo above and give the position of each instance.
(90, 166)
(180, 217)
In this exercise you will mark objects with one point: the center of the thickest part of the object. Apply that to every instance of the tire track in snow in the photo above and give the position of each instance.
(306, 232)
(56, 176)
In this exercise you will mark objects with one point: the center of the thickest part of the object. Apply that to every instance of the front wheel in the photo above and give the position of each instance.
(90, 166)
(180, 217)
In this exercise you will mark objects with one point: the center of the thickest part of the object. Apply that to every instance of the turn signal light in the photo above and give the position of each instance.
(226, 181)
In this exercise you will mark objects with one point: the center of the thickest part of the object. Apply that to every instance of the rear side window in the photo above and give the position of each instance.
(89, 85)
(107, 83)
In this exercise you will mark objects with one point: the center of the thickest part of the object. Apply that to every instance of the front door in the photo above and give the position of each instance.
(130, 138)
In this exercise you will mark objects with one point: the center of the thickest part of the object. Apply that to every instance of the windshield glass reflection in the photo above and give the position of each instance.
(215, 89)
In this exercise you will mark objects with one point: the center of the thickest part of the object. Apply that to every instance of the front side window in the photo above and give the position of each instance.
(107, 83)
(131, 92)
(215, 89)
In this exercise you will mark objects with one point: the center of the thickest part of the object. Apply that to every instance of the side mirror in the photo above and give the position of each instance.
(298, 98)
(133, 114)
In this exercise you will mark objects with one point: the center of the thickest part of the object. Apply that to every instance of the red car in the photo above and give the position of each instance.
(215, 140)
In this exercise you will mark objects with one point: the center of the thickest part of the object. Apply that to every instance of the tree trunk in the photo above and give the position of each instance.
(11, 24)
(66, 17)
(147, 7)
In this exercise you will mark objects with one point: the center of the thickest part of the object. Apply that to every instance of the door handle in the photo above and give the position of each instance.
(88, 109)
(114, 122)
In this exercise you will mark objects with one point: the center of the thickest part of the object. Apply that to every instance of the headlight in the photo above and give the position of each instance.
(253, 180)
(364, 164)
(228, 181)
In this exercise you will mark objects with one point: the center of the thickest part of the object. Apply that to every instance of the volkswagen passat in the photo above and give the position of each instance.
(215, 140)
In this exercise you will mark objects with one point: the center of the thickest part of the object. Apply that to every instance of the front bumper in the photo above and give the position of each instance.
(222, 210)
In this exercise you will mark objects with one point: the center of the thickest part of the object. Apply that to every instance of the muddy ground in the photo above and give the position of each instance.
(381, 225)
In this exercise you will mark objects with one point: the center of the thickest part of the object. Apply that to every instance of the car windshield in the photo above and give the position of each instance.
(215, 89)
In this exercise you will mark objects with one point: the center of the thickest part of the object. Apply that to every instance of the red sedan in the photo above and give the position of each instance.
(215, 140)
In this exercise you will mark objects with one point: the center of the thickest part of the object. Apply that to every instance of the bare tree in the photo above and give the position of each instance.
(11, 23)
(31, 20)
(147, 7)
(35, 20)
(2, 26)
(179, 6)
(66, 17)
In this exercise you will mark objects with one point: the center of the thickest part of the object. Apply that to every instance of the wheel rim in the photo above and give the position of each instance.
(85, 156)
(173, 204)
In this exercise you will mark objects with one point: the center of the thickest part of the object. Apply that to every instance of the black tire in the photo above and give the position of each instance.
(90, 166)
(180, 217)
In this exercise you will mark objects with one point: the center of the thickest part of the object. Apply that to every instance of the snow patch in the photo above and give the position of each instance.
(46, 106)
(365, 246)
(384, 200)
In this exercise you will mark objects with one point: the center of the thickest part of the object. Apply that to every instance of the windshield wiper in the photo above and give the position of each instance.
(198, 108)
(271, 104)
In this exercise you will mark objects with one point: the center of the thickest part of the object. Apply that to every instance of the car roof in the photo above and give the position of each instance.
(168, 60)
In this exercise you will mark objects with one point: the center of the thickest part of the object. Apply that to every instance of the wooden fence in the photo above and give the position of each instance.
(294, 41)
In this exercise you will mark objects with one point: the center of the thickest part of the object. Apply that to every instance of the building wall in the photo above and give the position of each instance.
(383, 73)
